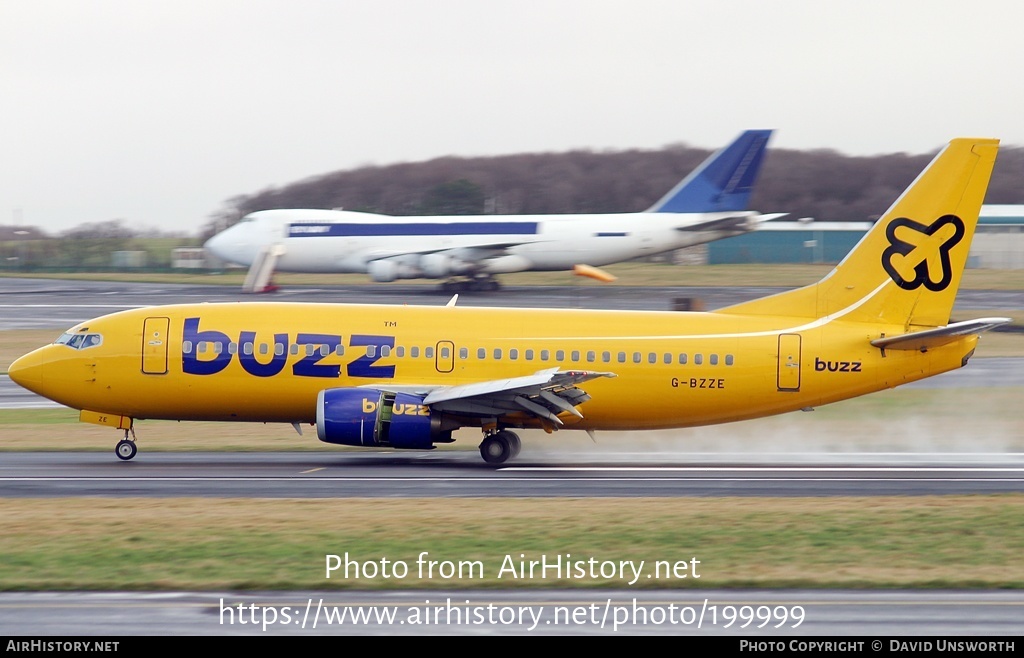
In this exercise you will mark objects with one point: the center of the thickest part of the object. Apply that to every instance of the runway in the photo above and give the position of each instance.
(764, 615)
(461, 474)
(45, 303)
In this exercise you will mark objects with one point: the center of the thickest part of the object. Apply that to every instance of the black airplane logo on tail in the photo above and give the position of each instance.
(918, 254)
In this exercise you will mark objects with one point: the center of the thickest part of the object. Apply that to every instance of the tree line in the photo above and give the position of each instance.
(823, 184)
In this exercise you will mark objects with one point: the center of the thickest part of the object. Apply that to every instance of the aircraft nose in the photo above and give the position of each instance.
(215, 246)
(27, 371)
(229, 245)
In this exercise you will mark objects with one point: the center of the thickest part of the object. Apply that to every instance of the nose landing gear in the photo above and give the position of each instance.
(125, 448)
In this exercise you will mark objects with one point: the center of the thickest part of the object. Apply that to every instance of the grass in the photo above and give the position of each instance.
(208, 544)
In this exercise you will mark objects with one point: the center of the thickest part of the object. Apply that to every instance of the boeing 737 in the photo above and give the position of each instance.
(386, 376)
(711, 203)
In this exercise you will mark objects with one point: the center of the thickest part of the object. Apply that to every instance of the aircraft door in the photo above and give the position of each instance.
(154, 345)
(789, 362)
(444, 359)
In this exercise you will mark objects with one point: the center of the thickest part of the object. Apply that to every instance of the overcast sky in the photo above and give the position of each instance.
(157, 111)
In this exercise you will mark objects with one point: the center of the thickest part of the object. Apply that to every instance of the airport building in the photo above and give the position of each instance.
(998, 241)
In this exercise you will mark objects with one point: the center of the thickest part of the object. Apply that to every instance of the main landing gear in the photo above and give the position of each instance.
(125, 448)
(481, 283)
(499, 447)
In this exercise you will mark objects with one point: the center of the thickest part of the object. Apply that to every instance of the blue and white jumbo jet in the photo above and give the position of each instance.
(709, 204)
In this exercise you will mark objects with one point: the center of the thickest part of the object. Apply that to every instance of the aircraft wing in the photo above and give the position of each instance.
(469, 252)
(922, 340)
(544, 394)
(745, 221)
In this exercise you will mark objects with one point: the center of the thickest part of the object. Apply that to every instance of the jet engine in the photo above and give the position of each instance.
(368, 417)
(438, 266)
(387, 270)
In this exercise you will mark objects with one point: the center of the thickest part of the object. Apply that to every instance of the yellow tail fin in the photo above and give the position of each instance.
(907, 268)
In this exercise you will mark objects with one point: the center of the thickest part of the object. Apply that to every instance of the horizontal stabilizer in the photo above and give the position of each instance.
(747, 221)
(922, 340)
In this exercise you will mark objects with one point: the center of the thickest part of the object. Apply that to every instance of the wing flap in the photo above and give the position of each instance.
(544, 395)
(923, 340)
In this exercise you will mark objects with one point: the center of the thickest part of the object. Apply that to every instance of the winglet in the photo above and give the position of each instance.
(455, 298)
(724, 182)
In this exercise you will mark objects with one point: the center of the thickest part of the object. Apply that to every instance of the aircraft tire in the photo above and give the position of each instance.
(125, 449)
(514, 443)
(496, 448)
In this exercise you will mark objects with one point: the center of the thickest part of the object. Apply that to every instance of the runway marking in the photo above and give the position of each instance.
(785, 469)
(295, 479)
(74, 305)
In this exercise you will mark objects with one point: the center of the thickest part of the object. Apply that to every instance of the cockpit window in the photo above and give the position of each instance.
(79, 341)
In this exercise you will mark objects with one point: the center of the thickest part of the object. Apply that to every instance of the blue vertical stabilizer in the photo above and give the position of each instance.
(724, 182)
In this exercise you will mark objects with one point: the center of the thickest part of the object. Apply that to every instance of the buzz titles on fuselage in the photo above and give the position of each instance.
(197, 344)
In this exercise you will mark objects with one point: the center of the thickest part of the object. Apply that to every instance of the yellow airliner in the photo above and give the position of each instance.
(407, 376)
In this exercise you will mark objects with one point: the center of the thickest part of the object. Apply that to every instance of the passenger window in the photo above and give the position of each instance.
(218, 347)
(326, 349)
(575, 355)
(497, 352)
(481, 353)
(728, 359)
(186, 347)
(682, 359)
(371, 351)
(279, 349)
(544, 355)
(264, 348)
(414, 352)
(698, 359)
(513, 354)
(560, 355)
(606, 357)
(591, 356)
(294, 349)
(247, 349)
(529, 355)
(232, 347)
(622, 357)
(202, 347)
(463, 353)
(714, 359)
(385, 350)
(652, 357)
(339, 349)
(428, 352)
(637, 358)
(667, 358)
(445, 352)
(399, 351)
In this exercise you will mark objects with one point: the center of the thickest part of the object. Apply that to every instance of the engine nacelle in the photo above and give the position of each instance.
(441, 265)
(384, 271)
(368, 417)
